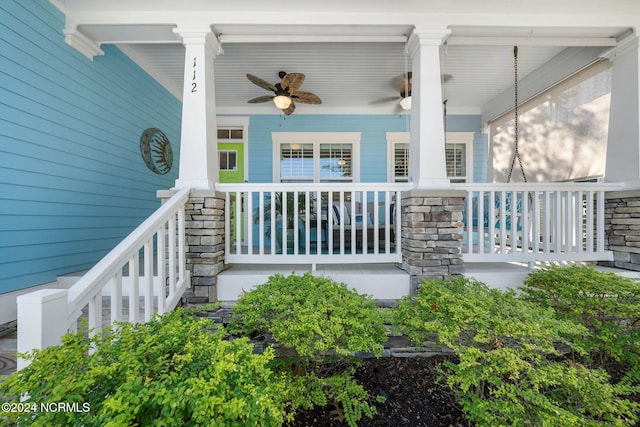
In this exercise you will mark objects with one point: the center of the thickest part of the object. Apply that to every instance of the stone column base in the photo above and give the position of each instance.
(432, 234)
(622, 229)
(204, 235)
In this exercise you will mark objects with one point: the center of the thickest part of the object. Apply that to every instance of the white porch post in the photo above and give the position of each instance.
(42, 317)
(427, 167)
(623, 145)
(198, 150)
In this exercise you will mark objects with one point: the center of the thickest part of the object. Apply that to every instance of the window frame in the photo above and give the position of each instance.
(227, 152)
(235, 122)
(466, 138)
(316, 139)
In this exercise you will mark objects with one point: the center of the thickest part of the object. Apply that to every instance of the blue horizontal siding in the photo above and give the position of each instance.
(72, 180)
(373, 143)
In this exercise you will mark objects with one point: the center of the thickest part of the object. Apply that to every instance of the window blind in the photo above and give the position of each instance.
(562, 133)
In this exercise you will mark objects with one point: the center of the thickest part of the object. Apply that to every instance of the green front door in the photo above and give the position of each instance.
(231, 157)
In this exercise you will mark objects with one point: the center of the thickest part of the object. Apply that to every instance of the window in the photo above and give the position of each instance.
(230, 134)
(228, 160)
(316, 157)
(401, 162)
(336, 161)
(456, 155)
(296, 162)
(458, 151)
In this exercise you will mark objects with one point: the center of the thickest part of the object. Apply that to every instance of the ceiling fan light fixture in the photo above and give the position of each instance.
(282, 102)
(405, 103)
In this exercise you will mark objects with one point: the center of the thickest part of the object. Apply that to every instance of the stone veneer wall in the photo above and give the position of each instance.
(432, 234)
(204, 235)
(622, 229)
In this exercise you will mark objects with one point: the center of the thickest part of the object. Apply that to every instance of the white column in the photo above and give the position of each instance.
(198, 148)
(427, 167)
(623, 145)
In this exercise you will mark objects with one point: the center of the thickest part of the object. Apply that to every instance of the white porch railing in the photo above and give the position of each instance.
(145, 274)
(312, 223)
(535, 222)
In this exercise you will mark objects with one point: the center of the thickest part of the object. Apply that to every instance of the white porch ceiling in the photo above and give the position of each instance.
(350, 67)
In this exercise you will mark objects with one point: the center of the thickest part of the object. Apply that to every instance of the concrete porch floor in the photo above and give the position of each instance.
(382, 281)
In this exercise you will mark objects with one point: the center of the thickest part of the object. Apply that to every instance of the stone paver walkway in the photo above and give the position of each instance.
(8, 348)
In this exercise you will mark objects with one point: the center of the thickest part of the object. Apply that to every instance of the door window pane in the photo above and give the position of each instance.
(228, 160)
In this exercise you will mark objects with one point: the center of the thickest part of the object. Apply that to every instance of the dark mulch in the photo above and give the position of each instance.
(414, 395)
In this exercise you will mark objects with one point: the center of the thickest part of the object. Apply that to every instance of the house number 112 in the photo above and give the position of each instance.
(194, 85)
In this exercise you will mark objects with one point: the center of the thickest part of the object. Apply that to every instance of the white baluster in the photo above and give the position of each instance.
(148, 280)
(134, 288)
(116, 295)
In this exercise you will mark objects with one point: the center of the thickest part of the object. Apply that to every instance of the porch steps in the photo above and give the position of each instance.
(381, 281)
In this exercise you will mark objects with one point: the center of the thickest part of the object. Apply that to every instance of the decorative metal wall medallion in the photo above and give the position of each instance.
(156, 151)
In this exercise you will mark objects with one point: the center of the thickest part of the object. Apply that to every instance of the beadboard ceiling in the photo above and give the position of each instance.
(352, 73)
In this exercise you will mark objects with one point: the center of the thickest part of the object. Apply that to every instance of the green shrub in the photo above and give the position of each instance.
(509, 371)
(314, 320)
(606, 303)
(172, 371)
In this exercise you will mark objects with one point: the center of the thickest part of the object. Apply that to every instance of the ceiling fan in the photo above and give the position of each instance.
(285, 92)
(402, 84)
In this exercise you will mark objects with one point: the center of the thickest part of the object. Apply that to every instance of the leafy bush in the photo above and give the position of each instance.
(606, 303)
(314, 320)
(509, 371)
(172, 371)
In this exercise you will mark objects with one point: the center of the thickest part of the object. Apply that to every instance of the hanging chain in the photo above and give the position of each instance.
(516, 152)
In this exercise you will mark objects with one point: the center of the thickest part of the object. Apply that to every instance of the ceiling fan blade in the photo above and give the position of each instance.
(306, 97)
(262, 83)
(385, 100)
(265, 98)
(292, 82)
(401, 83)
(288, 111)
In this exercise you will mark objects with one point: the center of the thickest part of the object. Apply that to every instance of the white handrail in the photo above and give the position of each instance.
(58, 311)
(91, 282)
